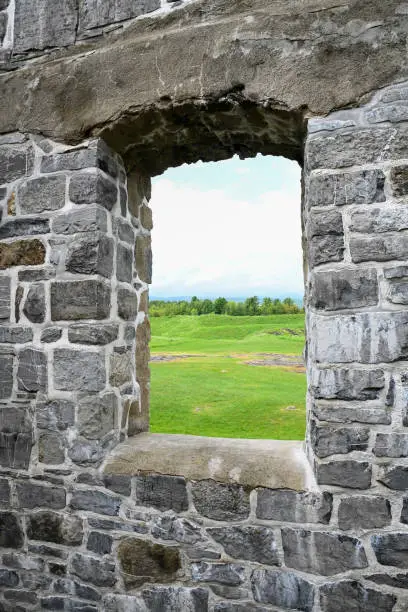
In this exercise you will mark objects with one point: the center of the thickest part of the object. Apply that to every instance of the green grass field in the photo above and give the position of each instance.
(215, 392)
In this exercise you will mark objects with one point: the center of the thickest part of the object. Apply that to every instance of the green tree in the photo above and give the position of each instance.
(220, 305)
(252, 305)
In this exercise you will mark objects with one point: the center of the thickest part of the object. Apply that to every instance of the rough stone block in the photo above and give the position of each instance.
(141, 561)
(95, 571)
(85, 299)
(124, 264)
(36, 274)
(283, 589)
(34, 305)
(95, 501)
(356, 147)
(16, 436)
(16, 161)
(162, 492)
(252, 542)
(50, 526)
(24, 226)
(143, 258)
(398, 292)
(32, 370)
(395, 477)
(328, 441)
(121, 368)
(5, 297)
(361, 187)
(51, 448)
(127, 304)
(125, 231)
(56, 415)
(96, 155)
(32, 495)
(3, 26)
(325, 249)
(347, 384)
(391, 445)
(376, 220)
(6, 376)
(363, 512)
(44, 23)
(16, 335)
(89, 333)
(229, 574)
(178, 529)
(294, 507)
(51, 334)
(93, 188)
(222, 502)
(399, 180)
(21, 253)
(40, 194)
(378, 248)
(391, 549)
(348, 474)
(322, 553)
(160, 599)
(344, 338)
(79, 370)
(100, 543)
(11, 531)
(344, 288)
(90, 218)
(98, 13)
(97, 415)
(399, 581)
(325, 222)
(146, 217)
(365, 412)
(352, 595)
(4, 494)
(90, 254)
(120, 483)
(86, 452)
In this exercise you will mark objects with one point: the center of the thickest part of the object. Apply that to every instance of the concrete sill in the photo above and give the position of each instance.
(275, 464)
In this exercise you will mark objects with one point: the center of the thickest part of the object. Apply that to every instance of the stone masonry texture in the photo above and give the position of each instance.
(91, 108)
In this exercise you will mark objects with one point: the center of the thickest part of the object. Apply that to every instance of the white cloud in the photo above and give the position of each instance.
(208, 242)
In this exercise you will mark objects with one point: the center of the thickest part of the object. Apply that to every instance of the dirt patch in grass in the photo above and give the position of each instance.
(294, 363)
(166, 358)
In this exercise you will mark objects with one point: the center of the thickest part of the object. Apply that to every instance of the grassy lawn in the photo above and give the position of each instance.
(216, 392)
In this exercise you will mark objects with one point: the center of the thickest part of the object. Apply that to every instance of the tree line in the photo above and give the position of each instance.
(252, 306)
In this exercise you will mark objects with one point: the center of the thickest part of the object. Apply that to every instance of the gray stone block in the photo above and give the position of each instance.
(142, 561)
(399, 581)
(146, 217)
(98, 13)
(15, 335)
(56, 415)
(11, 531)
(95, 501)
(24, 226)
(162, 492)
(96, 155)
(395, 477)
(91, 254)
(335, 412)
(344, 288)
(16, 436)
(352, 595)
(160, 599)
(348, 474)
(391, 445)
(89, 333)
(356, 147)
(399, 180)
(51, 334)
(324, 249)
(251, 542)
(404, 511)
(391, 549)
(125, 231)
(347, 383)
(44, 23)
(393, 113)
(124, 263)
(97, 415)
(95, 571)
(32, 495)
(34, 275)
(143, 258)
(79, 370)
(51, 448)
(327, 441)
(127, 304)
(322, 553)
(378, 248)
(376, 220)
(49, 526)
(363, 512)
(398, 293)
(178, 529)
(86, 452)
(222, 502)
(294, 507)
(283, 589)
(16, 162)
(5, 304)
(344, 338)
(360, 187)
(100, 543)
(324, 222)
(121, 368)
(32, 370)
(93, 188)
(40, 194)
(4, 495)
(90, 218)
(85, 299)
(3, 26)
(34, 305)
(120, 483)
(229, 574)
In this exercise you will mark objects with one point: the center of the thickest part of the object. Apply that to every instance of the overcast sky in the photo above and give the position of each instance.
(229, 228)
